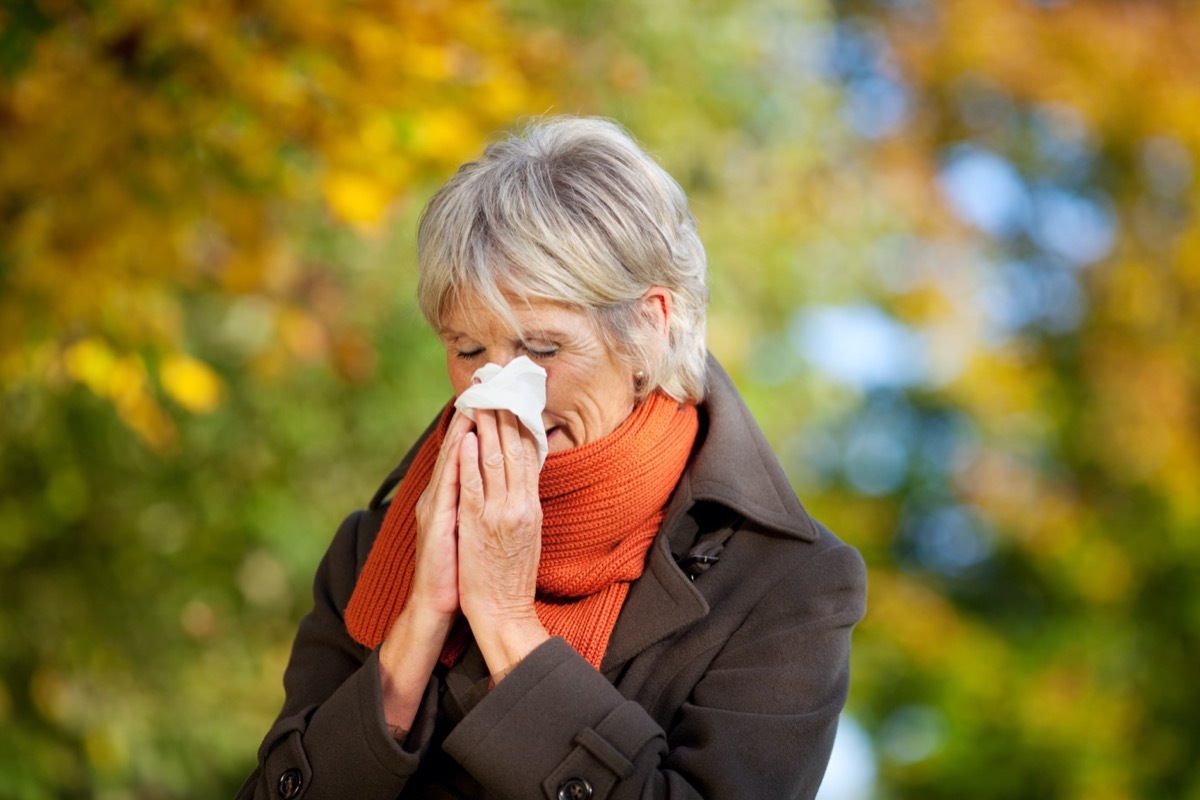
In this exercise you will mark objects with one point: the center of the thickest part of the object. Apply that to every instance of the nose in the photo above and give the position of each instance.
(501, 356)
(504, 357)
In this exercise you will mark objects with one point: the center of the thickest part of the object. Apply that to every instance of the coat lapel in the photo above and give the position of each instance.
(659, 603)
(733, 466)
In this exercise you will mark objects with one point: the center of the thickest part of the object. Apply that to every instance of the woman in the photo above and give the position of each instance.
(653, 614)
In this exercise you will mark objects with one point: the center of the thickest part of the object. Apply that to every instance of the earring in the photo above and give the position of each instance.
(639, 380)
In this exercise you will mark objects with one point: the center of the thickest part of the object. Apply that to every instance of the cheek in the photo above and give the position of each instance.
(560, 390)
(617, 392)
(459, 374)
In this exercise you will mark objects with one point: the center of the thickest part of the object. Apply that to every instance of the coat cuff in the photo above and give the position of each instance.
(351, 752)
(552, 721)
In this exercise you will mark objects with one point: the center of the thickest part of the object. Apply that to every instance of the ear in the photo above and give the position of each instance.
(656, 305)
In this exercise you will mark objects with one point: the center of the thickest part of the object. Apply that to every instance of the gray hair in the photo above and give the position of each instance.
(572, 211)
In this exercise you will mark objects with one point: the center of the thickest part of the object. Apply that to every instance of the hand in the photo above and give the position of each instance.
(499, 538)
(414, 642)
(435, 578)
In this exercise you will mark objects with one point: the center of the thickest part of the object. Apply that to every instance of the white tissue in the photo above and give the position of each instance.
(519, 386)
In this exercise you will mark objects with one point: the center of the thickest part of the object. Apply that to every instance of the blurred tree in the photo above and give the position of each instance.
(1033, 621)
(157, 151)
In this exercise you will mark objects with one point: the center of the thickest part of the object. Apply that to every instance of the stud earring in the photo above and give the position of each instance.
(639, 380)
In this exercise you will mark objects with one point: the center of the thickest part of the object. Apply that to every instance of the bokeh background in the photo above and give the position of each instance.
(955, 269)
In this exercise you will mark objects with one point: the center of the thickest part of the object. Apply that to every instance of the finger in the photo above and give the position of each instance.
(459, 424)
(445, 480)
(469, 478)
(491, 454)
(444, 477)
(512, 445)
(533, 469)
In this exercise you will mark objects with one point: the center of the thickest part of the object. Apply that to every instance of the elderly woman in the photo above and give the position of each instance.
(650, 614)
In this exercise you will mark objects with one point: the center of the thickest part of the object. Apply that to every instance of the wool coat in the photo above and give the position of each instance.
(723, 677)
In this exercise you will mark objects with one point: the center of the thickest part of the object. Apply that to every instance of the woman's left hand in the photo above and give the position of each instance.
(499, 538)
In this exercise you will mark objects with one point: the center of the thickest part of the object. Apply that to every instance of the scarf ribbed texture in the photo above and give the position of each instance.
(602, 505)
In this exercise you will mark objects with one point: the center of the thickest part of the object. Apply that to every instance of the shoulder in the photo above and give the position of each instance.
(736, 484)
(733, 465)
(820, 580)
(760, 568)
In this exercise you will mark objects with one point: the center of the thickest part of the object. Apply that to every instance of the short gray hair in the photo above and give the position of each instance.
(572, 211)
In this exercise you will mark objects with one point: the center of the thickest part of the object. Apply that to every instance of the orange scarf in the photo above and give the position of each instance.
(602, 505)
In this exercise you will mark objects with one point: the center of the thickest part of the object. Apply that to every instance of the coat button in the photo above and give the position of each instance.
(289, 783)
(575, 789)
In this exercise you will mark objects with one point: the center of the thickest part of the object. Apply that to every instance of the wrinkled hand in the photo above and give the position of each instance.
(499, 538)
(411, 648)
(499, 518)
(435, 579)
(479, 536)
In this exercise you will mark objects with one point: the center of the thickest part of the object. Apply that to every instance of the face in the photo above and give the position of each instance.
(589, 392)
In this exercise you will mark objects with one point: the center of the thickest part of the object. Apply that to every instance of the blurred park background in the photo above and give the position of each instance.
(955, 270)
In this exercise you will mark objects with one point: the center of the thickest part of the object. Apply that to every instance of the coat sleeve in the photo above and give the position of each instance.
(759, 721)
(331, 740)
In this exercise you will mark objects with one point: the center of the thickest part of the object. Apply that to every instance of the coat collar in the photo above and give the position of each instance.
(735, 466)
(732, 466)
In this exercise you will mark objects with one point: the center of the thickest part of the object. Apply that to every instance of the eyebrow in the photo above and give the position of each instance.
(547, 333)
(537, 333)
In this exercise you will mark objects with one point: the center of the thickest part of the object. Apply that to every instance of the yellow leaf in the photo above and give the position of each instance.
(91, 363)
(191, 383)
(446, 134)
(137, 407)
(355, 198)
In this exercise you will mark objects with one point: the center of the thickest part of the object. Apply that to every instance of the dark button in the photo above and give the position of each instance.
(289, 783)
(575, 789)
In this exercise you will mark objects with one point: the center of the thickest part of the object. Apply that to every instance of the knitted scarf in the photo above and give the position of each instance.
(602, 505)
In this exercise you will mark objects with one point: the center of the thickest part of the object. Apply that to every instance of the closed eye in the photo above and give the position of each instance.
(541, 353)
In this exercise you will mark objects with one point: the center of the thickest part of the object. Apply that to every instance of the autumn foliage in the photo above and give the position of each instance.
(154, 151)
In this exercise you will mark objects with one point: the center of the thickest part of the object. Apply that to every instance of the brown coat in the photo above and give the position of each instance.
(725, 686)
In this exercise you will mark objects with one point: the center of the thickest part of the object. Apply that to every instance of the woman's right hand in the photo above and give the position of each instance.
(435, 580)
(414, 642)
